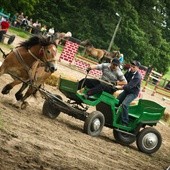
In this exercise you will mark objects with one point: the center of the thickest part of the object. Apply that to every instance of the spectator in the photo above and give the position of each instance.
(50, 32)
(111, 74)
(121, 58)
(2, 19)
(44, 30)
(36, 27)
(130, 90)
(13, 19)
(24, 23)
(4, 28)
(19, 19)
(30, 25)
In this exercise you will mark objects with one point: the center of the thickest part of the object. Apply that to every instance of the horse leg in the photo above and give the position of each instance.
(19, 94)
(9, 86)
(31, 90)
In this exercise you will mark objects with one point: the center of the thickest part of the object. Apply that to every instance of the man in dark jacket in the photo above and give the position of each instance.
(130, 90)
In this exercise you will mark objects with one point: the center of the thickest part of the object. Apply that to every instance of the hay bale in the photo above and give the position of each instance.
(53, 80)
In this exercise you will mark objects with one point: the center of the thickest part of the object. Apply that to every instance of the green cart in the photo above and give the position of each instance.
(143, 116)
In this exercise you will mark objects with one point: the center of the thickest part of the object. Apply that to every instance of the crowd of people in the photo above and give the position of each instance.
(26, 23)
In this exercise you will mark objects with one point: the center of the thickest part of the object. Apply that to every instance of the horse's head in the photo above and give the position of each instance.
(43, 49)
(86, 43)
(112, 55)
(49, 57)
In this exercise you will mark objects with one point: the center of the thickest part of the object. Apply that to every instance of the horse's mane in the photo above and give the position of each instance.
(35, 40)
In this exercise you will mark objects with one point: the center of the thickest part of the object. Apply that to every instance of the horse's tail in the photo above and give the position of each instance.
(4, 55)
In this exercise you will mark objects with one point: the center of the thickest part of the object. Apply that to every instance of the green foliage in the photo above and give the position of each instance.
(143, 33)
(167, 75)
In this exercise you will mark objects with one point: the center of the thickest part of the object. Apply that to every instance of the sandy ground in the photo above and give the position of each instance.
(30, 141)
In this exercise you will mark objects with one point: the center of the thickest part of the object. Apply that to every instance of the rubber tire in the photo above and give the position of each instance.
(140, 138)
(11, 39)
(50, 110)
(89, 123)
(122, 138)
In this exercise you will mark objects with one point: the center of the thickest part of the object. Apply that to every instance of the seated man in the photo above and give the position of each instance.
(112, 75)
(3, 28)
(130, 90)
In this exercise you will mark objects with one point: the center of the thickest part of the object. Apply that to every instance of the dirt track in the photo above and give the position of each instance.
(30, 141)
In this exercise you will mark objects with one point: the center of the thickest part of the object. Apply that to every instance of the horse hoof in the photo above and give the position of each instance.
(18, 96)
(14, 105)
(6, 89)
(24, 105)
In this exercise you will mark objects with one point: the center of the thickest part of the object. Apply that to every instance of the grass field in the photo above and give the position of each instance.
(19, 32)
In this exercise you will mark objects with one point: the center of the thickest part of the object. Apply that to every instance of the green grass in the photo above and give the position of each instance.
(20, 32)
(3, 45)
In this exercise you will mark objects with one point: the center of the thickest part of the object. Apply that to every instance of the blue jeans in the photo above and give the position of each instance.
(124, 100)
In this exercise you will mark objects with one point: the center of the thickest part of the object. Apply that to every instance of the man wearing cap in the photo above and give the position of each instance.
(130, 90)
(111, 73)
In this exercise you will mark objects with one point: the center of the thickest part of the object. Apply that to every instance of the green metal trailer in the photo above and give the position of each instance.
(143, 116)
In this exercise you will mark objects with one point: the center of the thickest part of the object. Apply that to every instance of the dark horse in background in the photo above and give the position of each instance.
(32, 62)
(100, 54)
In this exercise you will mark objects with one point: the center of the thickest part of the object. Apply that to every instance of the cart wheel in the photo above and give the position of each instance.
(49, 108)
(123, 138)
(149, 140)
(11, 39)
(94, 123)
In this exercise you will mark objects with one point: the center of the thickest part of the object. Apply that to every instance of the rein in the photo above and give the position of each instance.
(20, 59)
(34, 56)
(31, 70)
(4, 55)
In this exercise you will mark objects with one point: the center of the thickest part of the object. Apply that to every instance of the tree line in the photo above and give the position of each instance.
(143, 33)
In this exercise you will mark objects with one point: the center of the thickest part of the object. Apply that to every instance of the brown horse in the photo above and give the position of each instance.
(35, 55)
(94, 52)
(101, 55)
(110, 55)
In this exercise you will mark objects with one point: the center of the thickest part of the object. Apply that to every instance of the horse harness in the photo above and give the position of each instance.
(30, 70)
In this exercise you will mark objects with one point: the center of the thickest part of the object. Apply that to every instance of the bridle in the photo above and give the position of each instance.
(41, 52)
(41, 62)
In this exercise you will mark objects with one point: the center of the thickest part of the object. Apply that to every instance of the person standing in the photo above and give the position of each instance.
(130, 90)
(51, 32)
(111, 75)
